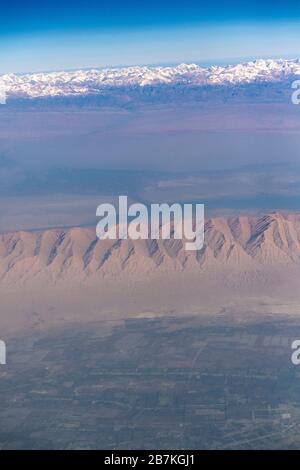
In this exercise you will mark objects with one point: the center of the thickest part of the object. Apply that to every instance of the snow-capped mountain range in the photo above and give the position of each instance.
(99, 81)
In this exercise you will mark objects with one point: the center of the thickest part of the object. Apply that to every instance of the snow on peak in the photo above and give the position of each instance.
(96, 81)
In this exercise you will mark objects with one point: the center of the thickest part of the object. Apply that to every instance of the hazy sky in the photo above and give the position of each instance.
(48, 35)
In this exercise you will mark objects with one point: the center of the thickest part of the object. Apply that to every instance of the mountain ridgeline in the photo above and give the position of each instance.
(243, 242)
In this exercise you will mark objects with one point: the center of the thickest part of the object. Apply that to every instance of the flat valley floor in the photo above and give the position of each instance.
(209, 382)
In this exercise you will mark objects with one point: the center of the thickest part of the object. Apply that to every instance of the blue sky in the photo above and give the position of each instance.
(37, 35)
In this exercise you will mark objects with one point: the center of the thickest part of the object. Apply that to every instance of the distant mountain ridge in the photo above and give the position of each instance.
(243, 242)
(98, 82)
